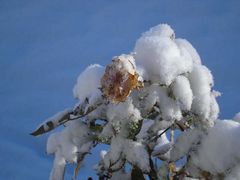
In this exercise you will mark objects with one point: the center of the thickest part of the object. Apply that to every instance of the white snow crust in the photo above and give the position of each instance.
(219, 150)
(88, 82)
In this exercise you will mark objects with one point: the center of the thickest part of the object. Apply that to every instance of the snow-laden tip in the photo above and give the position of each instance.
(88, 82)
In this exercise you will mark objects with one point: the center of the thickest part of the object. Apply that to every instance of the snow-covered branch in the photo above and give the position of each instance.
(137, 105)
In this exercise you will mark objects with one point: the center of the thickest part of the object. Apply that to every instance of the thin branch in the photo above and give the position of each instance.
(158, 136)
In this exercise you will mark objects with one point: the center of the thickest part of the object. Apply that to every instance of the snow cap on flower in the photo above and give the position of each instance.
(120, 78)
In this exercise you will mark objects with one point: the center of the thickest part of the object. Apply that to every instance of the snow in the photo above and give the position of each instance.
(155, 94)
(157, 52)
(130, 150)
(115, 152)
(57, 172)
(88, 82)
(120, 121)
(161, 30)
(55, 120)
(214, 107)
(170, 109)
(201, 82)
(219, 150)
(215, 150)
(163, 145)
(134, 150)
(42, 54)
(127, 63)
(67, 145)
(146, 124)
(183, 92)
(184, 143)
(160, 125)
(184, 44)
(174, 63)
(103, 153)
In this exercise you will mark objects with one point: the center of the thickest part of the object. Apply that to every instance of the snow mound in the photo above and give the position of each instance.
(88, 82)
(159, 54)
(219, 150)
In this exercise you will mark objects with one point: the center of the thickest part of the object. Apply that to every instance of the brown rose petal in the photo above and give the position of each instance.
(117, 83)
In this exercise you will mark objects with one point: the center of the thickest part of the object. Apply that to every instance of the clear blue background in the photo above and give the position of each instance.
(45, 44)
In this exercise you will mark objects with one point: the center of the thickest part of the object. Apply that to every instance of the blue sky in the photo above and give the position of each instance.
(44, 45)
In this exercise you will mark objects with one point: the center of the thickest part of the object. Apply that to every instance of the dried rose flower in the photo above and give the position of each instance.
(120, 78)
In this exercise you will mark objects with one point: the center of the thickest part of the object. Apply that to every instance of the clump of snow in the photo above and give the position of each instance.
(162, 30)
(163, 145)
(133, 150)
(184, 44)
(53, 143)
(184, 143)
(115, 152)
(58, 167)
(122, 148)
(107, 132)
(68, 145)
(115, 111)
(119, 120)
(214, 108)
(103, 153)
(146, 124)
(219, 150)
(169, 108)
(150, 96)
(127, 63)
(174, 63)
(156, 94)
(69, 141)
(160, 125)
(182, 92)
(160, 56)
(201, 81)
(88, 82)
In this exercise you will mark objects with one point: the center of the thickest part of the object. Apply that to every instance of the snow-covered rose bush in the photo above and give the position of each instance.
(136, 105)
